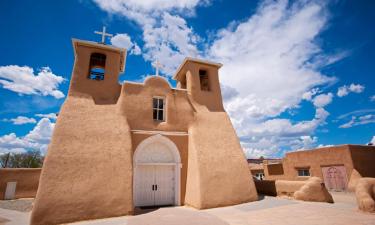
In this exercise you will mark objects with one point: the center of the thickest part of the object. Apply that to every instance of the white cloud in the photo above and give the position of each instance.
(22, 80)
(37, 139)
(169, 42)
(146, 12)
(309, 94)
(272, 62)
(372, 98)
(167, 38)
(124, 41)
(52, 116)
(21, 120)
(355, 113)
(322, 100)
(345, 90)
(359, 120)
(42, 132)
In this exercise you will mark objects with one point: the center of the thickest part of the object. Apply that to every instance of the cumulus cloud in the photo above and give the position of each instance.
(19, 120)
(272, 62)
(135, 10)
(51, 116)
(322, 100)
(352, 88)
(167, 37)
(169, 42)
(372, 98)
(37, 139)
(23, 80)
(124, 41)
(309, 94)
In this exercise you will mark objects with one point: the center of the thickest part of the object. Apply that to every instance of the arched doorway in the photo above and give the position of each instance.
(156, 178)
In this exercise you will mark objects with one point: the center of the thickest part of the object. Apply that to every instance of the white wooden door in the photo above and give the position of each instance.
(144, 186)
(155, 185)
(10, 191)
(164, 180)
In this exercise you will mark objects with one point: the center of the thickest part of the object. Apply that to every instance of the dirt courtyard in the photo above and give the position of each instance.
(266, 211)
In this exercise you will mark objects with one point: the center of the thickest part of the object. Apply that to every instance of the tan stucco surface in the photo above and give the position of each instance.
(88, 171)
(27, 181)
(218, 174)
(353, 181)
(314, 191)
(365, 194)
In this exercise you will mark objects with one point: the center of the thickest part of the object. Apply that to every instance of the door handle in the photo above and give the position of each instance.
(152, 187)
(156, 187)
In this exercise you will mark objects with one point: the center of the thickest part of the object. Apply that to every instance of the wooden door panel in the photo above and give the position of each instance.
(144, 181)
(164, 179)
(335, 178)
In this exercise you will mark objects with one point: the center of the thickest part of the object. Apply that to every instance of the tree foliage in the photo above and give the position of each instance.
(30, 159)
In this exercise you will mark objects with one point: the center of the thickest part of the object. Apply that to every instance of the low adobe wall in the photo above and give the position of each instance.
(27, 181)
(311, 190)
(365, 194)
(278, 187)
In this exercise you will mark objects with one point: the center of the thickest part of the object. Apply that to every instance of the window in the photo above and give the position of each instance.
(305, 172)
(97, 66)
(203, 77)
(158, 108)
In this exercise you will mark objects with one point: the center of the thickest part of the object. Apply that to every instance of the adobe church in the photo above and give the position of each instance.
(120, 146)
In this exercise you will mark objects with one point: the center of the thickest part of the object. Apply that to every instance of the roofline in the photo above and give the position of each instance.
(325, 147)
(102, 46)
(218, 65)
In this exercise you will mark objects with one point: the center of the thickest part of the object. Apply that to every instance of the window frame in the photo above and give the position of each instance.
(98, 61)
(303, 172)
(158, 109)
(206, 78)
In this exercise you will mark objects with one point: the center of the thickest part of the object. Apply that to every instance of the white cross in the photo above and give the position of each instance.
(104, 34)
(157, 66)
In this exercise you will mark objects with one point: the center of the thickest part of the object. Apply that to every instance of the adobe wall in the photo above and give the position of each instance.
(315, 160)
(182, 144)
(218, 174)
(27, 181)
(136, 103)
(87, 172)
(363, 159)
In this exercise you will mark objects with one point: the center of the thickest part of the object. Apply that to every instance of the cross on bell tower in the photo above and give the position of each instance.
(104, 34)
(157, 66)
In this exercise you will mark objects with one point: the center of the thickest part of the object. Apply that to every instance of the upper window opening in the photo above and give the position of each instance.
(203, 77)
(97, 66)
(158, 108)
(303, 172)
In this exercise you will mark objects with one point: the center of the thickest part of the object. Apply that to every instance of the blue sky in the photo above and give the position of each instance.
(296, 75)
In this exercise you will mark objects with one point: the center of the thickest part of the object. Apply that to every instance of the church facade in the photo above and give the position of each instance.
(120, 146)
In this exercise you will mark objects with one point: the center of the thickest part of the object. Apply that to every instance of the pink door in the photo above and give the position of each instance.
(335, 178)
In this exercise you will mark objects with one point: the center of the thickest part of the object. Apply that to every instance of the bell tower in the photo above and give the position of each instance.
(96, 70)
(201, 79)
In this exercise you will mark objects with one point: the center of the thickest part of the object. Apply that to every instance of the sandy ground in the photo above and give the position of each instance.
(266, 211)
